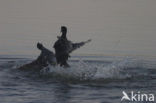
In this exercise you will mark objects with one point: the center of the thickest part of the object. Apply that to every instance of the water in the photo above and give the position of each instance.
(91, 79)
(116, 27)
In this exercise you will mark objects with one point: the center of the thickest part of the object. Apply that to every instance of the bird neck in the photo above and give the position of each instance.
(64, 35)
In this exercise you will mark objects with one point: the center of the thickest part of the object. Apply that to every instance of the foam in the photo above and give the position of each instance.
(87, 71)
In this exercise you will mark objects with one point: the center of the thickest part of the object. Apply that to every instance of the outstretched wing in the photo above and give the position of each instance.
(78, 45)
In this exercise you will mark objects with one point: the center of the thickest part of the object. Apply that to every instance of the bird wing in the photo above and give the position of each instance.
(78, 45)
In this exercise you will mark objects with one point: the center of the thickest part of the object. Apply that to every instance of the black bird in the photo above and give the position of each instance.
(63, 47)
(46, 57)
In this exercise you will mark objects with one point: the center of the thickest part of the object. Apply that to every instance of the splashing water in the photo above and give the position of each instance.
(87, 71)
(88, 78)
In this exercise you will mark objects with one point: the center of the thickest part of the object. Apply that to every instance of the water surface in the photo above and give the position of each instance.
(87, 81)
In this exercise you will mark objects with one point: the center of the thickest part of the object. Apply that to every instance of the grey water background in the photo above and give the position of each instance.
(120, 57)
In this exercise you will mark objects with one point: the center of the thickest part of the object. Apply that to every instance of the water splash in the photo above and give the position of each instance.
(88, 71)
(93, 70)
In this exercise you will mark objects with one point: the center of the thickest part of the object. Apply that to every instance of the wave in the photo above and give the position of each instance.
(93, 70)
(117, 70)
